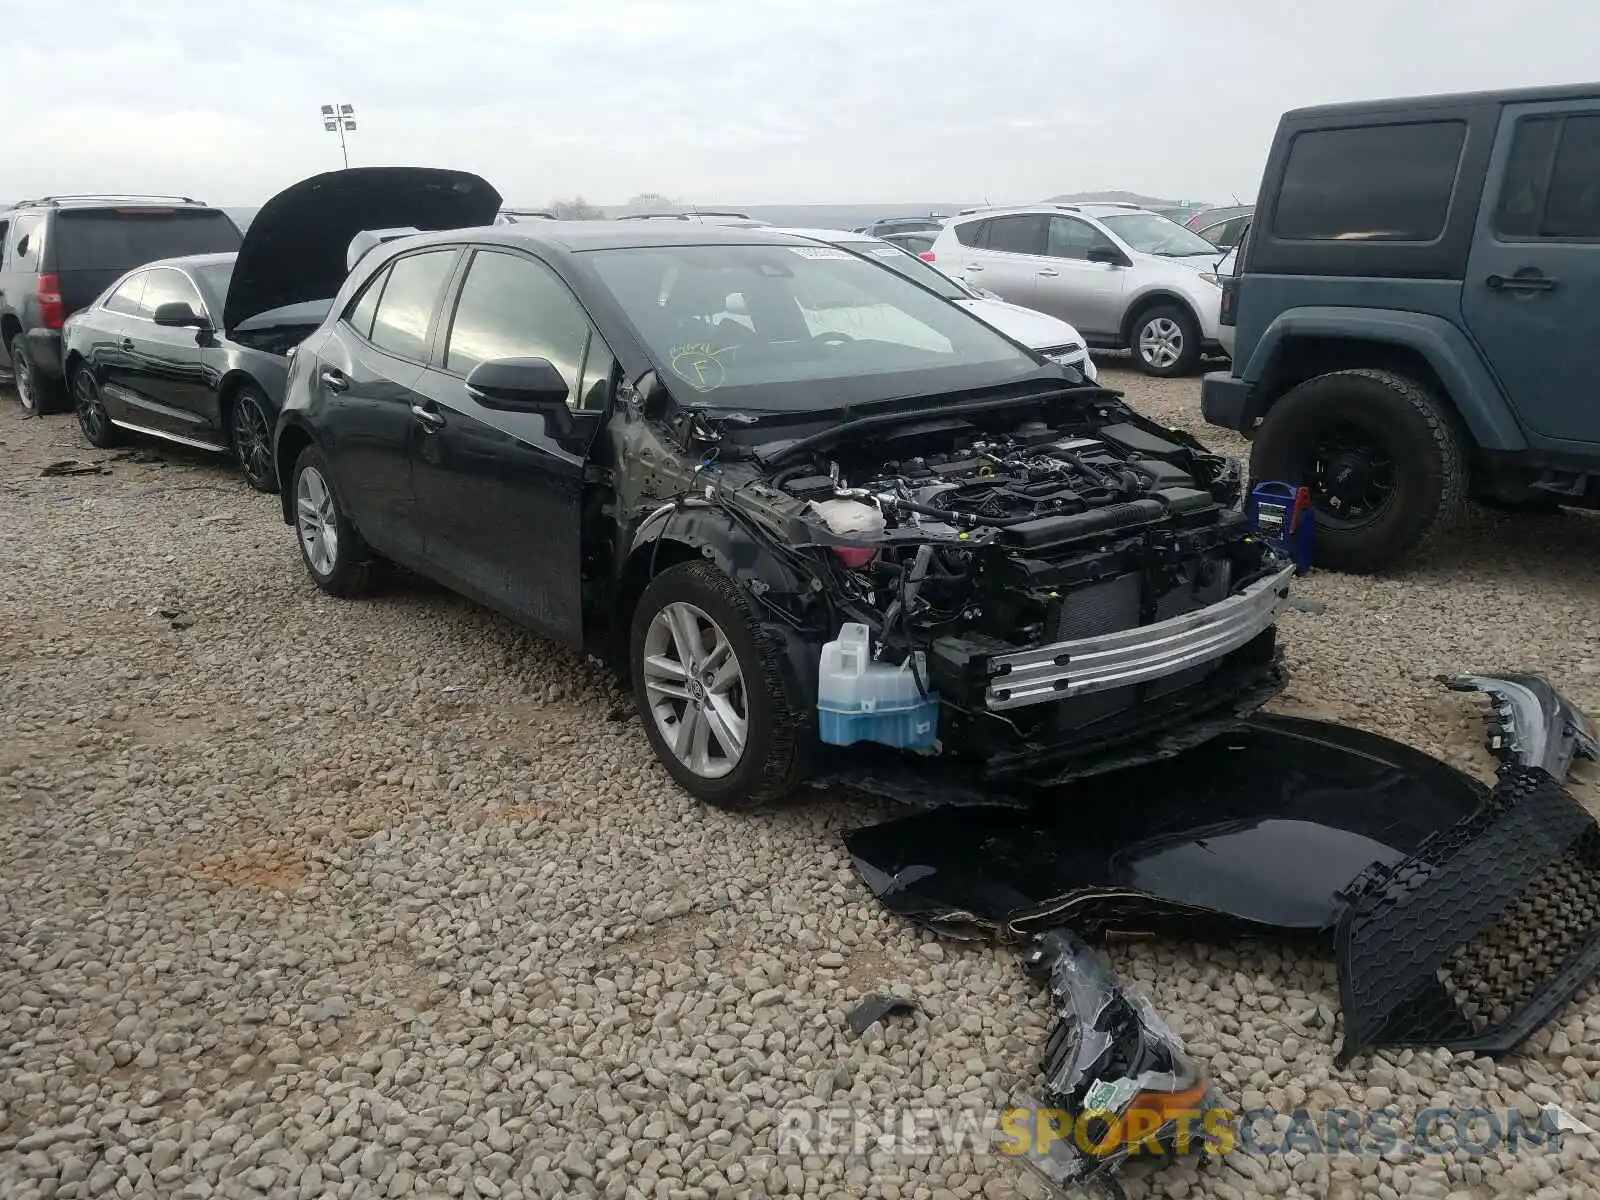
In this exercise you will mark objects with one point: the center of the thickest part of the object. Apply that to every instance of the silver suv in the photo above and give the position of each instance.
(1124, 276)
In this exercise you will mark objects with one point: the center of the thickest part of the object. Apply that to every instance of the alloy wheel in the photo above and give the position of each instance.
(695, 688)
(317, 521)
(91, 409)
(1161, 342)
(252, 441)
(22, 374)
(1351, 475)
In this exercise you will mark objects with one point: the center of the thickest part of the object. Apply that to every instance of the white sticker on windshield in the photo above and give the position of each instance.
(886, 251)
(821, 252)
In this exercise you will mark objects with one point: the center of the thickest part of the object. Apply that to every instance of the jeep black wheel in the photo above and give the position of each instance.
(710, 691)
(1165, 341)
(1381, 456)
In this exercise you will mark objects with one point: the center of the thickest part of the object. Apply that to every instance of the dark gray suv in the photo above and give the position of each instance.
(1414, 313)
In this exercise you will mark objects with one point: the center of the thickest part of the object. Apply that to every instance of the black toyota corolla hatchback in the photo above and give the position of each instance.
(800, 500)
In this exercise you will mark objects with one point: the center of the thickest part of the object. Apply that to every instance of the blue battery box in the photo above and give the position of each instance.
(1282, 516)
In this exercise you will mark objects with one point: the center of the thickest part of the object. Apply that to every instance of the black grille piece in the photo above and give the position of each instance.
(1483, 934)
(1100, 608)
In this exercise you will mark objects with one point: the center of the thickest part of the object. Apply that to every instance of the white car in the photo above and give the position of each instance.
(1123, 275)
(1047, 335)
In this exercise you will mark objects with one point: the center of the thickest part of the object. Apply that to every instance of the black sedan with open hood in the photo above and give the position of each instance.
(195, 349)
(813, 509)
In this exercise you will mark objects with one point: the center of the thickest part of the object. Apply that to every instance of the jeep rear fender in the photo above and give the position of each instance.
(1448, 352)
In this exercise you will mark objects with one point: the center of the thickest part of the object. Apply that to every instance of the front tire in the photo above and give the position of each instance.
(90, 406)
(1166, 341)
(1383, 459)
(711, 693)
(250, 431)
(338, 560)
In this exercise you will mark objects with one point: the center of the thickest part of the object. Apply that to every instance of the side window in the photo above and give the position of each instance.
(5, 228)
(126, 298)
(970, 233)
(405, 310)
(1552, 181)
(359, 315)
(1072, 238)
(514, 307)
(168, 287)
(1376, 183)
(24, 254)
(1024, 234)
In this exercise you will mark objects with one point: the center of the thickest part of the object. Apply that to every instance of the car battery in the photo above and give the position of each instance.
(1282, 516)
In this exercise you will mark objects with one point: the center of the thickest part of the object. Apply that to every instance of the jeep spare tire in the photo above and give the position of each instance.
(1382, 457)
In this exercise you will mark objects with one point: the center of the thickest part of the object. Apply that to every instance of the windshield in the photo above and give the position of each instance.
(760, 326)
(912, 267)
(1150, 234)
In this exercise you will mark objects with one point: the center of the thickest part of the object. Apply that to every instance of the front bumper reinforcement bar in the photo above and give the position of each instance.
(1114, 660)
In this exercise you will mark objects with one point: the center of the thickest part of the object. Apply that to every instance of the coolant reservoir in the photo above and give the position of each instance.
(859, 700)
(851, 519)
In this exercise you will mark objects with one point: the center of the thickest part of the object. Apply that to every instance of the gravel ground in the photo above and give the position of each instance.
(303, 897)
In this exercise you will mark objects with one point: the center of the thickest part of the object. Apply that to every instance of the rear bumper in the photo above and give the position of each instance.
(1081, 666)
(1225, 401)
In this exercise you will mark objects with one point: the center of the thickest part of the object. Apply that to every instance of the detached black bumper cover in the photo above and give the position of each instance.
(1483, 934)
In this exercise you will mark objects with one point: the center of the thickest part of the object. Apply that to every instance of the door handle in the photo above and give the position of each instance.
(125, 344)
(1048, 273)
(1519, 283)
(974, 267)
(428, 416)
(334, 379)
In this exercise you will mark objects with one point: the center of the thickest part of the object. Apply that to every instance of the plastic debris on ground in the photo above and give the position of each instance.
(1115, 1074)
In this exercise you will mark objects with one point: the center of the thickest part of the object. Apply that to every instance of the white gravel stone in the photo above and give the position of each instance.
(375, 898)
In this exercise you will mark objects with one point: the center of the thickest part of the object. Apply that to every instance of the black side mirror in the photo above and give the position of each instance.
(177, 314)
(1109, 255)
(524, 385)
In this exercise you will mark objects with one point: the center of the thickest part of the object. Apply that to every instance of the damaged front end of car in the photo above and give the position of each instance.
(1015, 581)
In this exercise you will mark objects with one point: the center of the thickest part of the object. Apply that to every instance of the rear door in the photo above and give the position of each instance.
(1532, 292)
(1083, 293)
(500, 498)
(1009, 259)
(161, 369)
(366, 370)
(100, 342)
(90, 247)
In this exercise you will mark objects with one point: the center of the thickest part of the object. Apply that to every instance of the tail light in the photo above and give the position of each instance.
(1230, 299)
(52, 313)
(927, 256)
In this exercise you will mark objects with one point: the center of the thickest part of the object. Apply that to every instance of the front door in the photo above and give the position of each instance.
(1532, 292)
(1010, 258)
(160, 370)
(367, 369)
(1085, 294)
(499, 497)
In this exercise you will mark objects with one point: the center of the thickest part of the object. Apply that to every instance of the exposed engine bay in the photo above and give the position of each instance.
(1024, 580)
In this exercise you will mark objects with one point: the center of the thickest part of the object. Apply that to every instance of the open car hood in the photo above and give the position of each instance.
(294, 250)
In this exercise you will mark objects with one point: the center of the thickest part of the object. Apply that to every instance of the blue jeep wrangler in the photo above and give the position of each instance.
(1416, 314)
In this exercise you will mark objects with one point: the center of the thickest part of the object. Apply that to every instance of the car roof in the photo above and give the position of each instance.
(578, 236)
(833, 236)
(1108, 209)
(112, 201)
(190, 260)
(1574, 91)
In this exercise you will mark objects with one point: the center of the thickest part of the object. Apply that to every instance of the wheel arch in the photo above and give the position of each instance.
(10, 327)
(229, 386)
(290, 443)
(1303, 344)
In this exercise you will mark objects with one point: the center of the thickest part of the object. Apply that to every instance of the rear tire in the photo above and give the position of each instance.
(1166, 341)
(776, 736)
(38, 393)
(1421, 453)
(339, 562)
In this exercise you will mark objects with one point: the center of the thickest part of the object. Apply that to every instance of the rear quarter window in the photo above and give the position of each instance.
(1374, 183)
(117, 239)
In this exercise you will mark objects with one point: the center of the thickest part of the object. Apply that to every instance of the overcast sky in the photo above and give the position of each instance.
(749, 101)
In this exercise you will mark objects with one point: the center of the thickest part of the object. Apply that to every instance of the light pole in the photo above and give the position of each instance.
(336, 118)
